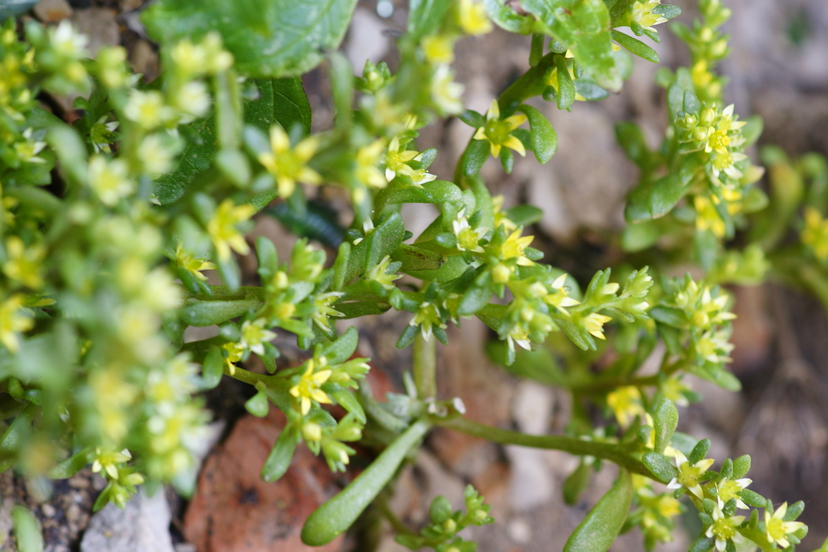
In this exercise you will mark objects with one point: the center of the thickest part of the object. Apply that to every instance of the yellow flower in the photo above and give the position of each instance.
(13, 320)
(730, 488)
(254, 335)
(559, 297)
(367, 161)
(147, 109)
(438, 49)
(396, 162)
(688, 475)
(235, 352)
(514, 248)
(467, 237)
(707, 218)
(723, 528)
(289, 165)
(815, 233)
(323, 309)
(777, 530)
(472, 18)
(594, 324)
(223, 231)
(644, 16)
(445, 93)
(109, 180)
(191, 264)
(426, 318)
(626, 404)
(498, 133)
(107, 461)
(308, 388)
(500, 218)
(379, 273)
(23, 264)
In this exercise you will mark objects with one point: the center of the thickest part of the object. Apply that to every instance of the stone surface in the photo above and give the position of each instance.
(52, 11)
(234, 510)
(142, 526)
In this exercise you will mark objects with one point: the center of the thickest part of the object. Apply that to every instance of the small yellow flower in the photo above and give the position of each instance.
(109, 180)
(235, 352)
(308, 388)
(626, 404)
(323, 309)
(191, 264)
(815, 234)
(367, 165)
(559, 297)
(254, 335)
(499, 133)
(24, 263)
(379, 273)
(644, 16)
(707, 218)
(107, 461)
(472, 18)
(223, 231)
(27, 149)
(723, 528)
(155, 154)
(426, 318)
(467, 237)
(438, 48)
(13, 320)
(514, 248)
(445, 93)
(289, 165)
(147, 109)
(689, 474)
(730, 488)
(500, 218)
(594, 324)
(777, 530)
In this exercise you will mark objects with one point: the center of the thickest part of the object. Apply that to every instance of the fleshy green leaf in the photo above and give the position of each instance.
(278, 461)
(575, 484)
(27, 531)
(543, 136)
(665, 418)
(603, 523)
(660, 466)
(268, 38)
(507, 18)
(341, 350)
(636, 46)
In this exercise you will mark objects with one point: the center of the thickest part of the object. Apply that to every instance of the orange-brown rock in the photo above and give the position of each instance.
(234, 510)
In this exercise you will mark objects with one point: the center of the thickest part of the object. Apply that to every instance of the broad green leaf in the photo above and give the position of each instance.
(741, 466)
(257, 405)
(384, 240)
(589, 90)
(475, 155)
(543, 136)
(268, 38)
(14, 436)
(632, 141)
(524, 215)
(603, 523)
(425, 16)
(583, 26)
(207, 313)
(436, 191)
(280, 101)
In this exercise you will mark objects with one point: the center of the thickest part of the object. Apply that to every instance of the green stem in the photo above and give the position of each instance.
(396, 523)
(607, 451)
(425, 366)
(530, 84)
(607, 385)
(223, 293)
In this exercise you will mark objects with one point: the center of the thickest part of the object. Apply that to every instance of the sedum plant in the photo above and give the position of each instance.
(110, 224)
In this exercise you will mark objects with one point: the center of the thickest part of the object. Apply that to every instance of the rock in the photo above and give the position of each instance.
(367, 39)
(144, 59)
(531, 482)
(142, 526)
(234, 510)
(52, 11)
(99, 25)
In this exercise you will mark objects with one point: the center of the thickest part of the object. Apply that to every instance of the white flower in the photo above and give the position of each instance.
(193, 99)
(147, 109)
(155, 154)
(109, 180)
(445, 93)
(69, 43)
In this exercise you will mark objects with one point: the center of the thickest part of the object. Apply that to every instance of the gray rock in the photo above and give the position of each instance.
(142, 526)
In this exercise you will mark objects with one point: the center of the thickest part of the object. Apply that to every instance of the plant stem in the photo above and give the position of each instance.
(425, 366)
(223, 293)
(607, 451)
